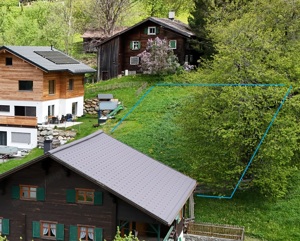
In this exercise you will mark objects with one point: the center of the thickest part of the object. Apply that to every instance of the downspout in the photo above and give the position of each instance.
(98, 63)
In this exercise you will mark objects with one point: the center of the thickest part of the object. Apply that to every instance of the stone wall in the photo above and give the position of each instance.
(58, 137)
(91, 106)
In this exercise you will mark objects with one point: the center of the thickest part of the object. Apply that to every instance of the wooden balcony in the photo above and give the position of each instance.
(28, 121)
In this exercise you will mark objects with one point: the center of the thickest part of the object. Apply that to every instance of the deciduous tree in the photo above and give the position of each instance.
(158, 58)
(255, 43)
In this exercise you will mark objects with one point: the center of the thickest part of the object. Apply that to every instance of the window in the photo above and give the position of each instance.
(5, 108)
(152, 31)
(85, 196)
(20, 137)
(134, 60)
(26, 85)
(8, 61)
(47, 229)
(71, 84)
(28, 192)
(74, 108)
(189, 59)
(4, 226)
(172, 44)
(85, 233)
(3, 138)
(135, 45)
(51, 87)
(82, 232)
(50, 110)
(25, 111)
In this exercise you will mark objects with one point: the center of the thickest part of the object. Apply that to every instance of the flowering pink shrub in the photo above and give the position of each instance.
(158, 58)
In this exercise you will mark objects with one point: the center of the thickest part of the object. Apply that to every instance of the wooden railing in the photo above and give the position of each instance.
(228, 232)
(18, 120)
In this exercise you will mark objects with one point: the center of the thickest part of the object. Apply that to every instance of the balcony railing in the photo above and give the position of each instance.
(18, 120)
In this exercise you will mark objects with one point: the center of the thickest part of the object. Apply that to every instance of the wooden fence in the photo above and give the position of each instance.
(215, 230)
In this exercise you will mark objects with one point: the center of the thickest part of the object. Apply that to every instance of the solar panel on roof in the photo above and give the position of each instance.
(56, 57)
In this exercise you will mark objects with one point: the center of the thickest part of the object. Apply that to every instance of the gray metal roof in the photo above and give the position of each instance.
(174, 25)
(29, 54)
(151, 186)
(105, 96)
(108, 105)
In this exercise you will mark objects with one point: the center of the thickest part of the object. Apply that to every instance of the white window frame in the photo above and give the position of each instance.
(134, 60)
(135, 45)
(174, 41)
(151, 30)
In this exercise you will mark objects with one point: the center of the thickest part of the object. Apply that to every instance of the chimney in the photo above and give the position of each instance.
(171, 15)
(47, 145)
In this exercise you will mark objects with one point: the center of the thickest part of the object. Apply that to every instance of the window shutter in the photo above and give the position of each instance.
(73, 233)
(40, 194)
(15, 194)
(131, 45)
(71, 195)
(36, 229)
(98, 198)
(139, 46)
(98, 234)
(5, 226)
(146, 31)
(157, 30)
(173, 44)
(60, 234)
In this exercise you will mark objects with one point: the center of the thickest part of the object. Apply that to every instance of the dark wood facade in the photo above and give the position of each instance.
(55, 206)
(114, 54)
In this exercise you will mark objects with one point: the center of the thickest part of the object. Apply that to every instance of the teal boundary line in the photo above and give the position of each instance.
(132, 109)
(254, 153)
(221, 85)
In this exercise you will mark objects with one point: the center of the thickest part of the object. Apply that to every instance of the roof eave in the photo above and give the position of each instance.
(171, 28)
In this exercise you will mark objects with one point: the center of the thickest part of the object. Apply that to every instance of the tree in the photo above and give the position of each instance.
(158, 58)
(255, 44)
(202, 14)
(106, 15)
(198, 23)
(3, 238)
(161, 8)
(224, 127)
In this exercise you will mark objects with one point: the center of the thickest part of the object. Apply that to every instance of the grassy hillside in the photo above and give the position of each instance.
(151, 127)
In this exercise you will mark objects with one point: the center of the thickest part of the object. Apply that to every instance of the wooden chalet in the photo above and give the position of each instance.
(37, 83)
(85, 189)
(118, 54)
(93, 37)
